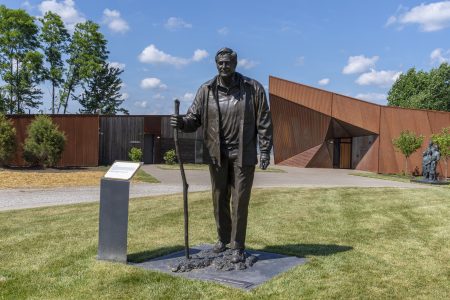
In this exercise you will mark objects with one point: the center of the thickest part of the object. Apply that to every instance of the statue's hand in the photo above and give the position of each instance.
(264, 160)
(176, 121)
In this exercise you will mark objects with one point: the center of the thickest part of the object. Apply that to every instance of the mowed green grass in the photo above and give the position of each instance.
(360, 242)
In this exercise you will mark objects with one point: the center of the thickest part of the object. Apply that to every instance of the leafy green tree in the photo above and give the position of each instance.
(3, 101)
(407, 143)
(54, 39)
(442, 139)
(7, 140)
(424, 90)
(20, 62)
(87, 56)
(102, 92)
(44, 144)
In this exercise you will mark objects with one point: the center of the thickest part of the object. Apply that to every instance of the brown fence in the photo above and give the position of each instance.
(82, 143)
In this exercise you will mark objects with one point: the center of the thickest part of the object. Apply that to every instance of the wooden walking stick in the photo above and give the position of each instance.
(185, 184)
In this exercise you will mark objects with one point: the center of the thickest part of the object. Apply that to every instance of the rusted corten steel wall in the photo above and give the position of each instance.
(82, 143)
(298, 108)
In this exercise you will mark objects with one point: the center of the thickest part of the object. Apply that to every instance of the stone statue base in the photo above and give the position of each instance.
(434, 182)
(206, 258)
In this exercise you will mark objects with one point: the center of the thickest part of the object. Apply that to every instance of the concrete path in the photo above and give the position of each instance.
(198, 181)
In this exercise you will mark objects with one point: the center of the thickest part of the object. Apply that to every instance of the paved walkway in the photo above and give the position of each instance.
(198, 181)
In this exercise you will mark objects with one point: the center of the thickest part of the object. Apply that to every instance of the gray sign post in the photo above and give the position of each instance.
(113, 216)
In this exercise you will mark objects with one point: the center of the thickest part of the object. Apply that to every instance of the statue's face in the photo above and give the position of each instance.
(226, 66)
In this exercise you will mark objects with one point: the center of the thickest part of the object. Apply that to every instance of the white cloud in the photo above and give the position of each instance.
(152, 83)
(158, 97)
(379, 78)
(188, 97)
(300, 61)
(141, 104)
(223, 31)
(116, 64)
(65, 9)
(324, 81)
(247, 64)
(174, 23)
(379, 98)
(199, 55)
(125, 96)
(114, 21)
(430, 17)
(359, 64)
(27, 5)
(440, 56)
(153, 55)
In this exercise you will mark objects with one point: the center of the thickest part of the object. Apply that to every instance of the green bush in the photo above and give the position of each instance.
(135, 154)
(44, 144)
(170, 157)
(7, 140)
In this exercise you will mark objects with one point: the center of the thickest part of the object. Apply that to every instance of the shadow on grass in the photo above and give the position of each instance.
(139, 257)
(302, 250)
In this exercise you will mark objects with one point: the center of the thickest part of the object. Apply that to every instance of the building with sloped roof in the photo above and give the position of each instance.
(314, 128)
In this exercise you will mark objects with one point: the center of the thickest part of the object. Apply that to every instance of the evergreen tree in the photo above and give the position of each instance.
(54, 38)
(102, 92)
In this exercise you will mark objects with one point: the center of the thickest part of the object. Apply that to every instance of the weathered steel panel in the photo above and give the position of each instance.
(82, 142)
(356, 112)
(296, 128)
(393, 121)
(316, 99)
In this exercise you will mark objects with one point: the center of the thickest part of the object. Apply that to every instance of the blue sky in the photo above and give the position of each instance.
(167, 48)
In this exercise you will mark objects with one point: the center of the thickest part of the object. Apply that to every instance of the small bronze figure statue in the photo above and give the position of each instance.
(234, 113)
(430, 160)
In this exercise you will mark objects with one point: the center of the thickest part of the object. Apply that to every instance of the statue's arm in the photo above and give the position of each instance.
(263, 122)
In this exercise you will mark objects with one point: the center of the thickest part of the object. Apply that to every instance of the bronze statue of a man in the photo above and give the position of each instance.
(234, 113)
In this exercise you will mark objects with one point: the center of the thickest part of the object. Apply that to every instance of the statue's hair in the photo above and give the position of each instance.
(227, 51)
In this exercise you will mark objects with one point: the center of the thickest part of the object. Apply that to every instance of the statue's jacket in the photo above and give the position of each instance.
(255, 121)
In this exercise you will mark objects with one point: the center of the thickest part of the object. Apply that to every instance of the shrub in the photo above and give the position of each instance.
(7, 140)
(170, 157)
(44, 144)
(135, 154)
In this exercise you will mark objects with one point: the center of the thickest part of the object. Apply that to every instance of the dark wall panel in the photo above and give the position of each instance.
(118, 135)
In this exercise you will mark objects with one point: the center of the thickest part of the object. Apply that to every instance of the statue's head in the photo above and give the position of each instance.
(226, 62)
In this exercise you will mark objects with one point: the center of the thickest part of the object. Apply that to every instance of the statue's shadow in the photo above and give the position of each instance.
(143, 256)
(298, 250)
(303, 250)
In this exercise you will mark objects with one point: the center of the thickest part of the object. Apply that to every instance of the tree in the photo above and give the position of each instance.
(44, 144)
(54, 38)
(3, 101)
(102, 92)
(407, 143)
(20, 62)
(7, 139)
(442, 139)
(87, 56)
(424, 90)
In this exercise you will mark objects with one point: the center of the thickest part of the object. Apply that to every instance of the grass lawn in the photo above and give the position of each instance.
(204, 167)
(394, 177)
(48, 178)
(375, 243)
